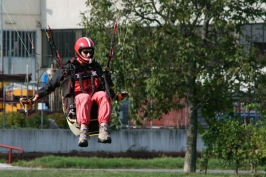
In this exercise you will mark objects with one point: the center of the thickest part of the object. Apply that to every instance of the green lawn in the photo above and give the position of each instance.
(102, 173)
(58, 166)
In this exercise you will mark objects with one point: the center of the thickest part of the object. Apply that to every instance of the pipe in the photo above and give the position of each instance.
(10, 151)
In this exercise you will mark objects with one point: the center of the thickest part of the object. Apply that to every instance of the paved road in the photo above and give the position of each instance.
(10, 167)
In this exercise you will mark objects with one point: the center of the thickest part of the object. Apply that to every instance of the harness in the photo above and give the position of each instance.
(86, 76)
(79, 78)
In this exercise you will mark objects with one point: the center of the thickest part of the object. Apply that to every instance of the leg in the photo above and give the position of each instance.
(83, 108)
(104, 106)
(104, 115)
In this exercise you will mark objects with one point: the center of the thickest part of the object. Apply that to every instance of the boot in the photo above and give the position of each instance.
(83, 136)
(103, 136)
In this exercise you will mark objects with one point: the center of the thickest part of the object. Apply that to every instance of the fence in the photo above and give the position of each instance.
(63, 141)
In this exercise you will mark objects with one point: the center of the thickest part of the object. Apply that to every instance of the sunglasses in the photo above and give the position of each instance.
(87, 51)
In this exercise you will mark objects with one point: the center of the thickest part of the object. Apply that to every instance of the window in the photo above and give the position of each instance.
(64, 41)
(18, 43)
(261, 46)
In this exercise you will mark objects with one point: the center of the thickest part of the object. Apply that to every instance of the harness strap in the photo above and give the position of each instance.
(72, 90)
(81, 85)
(72, 107)
(107, 89)
(84, 76)
(92, 85)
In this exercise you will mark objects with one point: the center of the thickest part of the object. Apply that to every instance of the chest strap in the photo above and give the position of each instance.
(86, 75)
(91, 75)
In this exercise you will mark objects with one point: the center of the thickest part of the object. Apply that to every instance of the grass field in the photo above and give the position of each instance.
(55, 166)
(102, 173)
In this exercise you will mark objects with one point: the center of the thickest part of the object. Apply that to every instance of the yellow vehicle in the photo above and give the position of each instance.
(13, 92)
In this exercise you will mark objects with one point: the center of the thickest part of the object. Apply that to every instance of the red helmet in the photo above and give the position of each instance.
(84, 43)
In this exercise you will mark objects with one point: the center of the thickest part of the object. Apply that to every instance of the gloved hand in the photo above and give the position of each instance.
(121, 96)
(26, 102)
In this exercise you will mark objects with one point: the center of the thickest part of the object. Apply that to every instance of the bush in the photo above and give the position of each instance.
(60, 120)
(15, 120)
(232, 141)
(35, 121)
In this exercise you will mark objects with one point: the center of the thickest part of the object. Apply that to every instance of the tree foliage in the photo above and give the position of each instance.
(172, 49)
(236, 143)
(16, 120)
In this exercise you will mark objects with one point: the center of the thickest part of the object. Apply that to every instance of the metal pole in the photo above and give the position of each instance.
(27, 71)
(42, 116)
(151, 102)
(12, 86)
(4, 106)
(1, 39)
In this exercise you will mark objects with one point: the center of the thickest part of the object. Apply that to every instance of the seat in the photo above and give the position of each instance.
(93, 126)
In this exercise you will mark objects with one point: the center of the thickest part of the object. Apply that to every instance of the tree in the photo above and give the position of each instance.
(176, 49)
(236, 143)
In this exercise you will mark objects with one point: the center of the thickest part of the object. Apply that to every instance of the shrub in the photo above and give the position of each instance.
(60, 120)
(35, 121)
(15, 120)
(232, 141)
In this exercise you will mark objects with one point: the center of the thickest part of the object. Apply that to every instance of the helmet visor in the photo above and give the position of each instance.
(86, 51)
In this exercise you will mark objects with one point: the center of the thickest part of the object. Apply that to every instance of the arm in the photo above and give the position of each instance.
(46, 90)
(121, 96)
(50, 86)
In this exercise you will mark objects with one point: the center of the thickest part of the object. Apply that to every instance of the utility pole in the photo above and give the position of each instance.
(1, 39)
(1, 61)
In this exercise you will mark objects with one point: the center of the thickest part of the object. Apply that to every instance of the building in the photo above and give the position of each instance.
(23, 25)
(23, 46)
(23, 50)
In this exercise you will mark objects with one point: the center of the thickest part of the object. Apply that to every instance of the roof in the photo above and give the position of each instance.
(14, 77)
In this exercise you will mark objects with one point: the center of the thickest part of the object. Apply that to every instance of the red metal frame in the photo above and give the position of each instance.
(10, 151)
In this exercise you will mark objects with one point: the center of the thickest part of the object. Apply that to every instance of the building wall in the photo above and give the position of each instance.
(176, 119)
(36, 15)
(22, 16)
(63, 141)
(63, 14)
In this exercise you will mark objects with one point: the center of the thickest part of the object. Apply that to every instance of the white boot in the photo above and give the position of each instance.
(83, 136)
(103, 136)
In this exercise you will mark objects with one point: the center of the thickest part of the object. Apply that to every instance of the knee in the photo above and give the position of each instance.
(103, 94)
(82, 98)
(100, 96)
